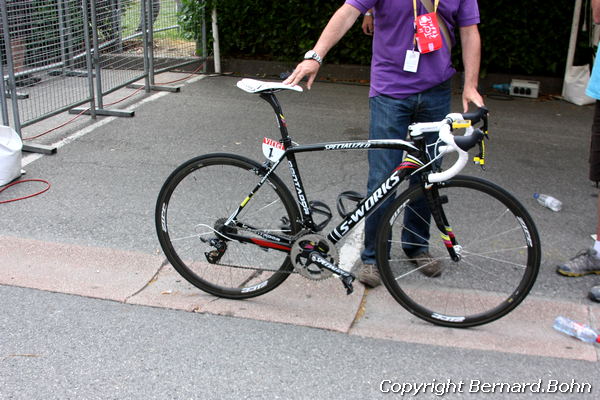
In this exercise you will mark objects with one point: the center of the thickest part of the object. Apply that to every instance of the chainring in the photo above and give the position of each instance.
(303, 246)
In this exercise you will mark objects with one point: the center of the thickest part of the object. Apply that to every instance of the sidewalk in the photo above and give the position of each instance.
(93, 233)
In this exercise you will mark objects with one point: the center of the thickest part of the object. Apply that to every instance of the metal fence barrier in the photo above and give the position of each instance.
(60, 54)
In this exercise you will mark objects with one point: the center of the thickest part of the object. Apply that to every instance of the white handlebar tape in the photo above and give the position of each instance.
(463, 157)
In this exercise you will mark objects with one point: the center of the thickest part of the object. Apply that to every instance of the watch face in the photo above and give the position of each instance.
(312, 55)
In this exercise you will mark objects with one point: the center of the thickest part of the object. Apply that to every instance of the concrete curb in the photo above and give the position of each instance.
(142, 279)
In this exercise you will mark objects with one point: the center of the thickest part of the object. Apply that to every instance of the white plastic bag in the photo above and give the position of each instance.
(576, 80)
(10, 155)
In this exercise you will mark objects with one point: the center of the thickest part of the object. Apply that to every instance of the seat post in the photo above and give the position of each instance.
(269, 97)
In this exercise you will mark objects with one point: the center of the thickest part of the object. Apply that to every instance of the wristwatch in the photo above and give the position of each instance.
(312, 55)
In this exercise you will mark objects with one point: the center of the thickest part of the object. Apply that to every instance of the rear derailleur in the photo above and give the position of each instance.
(219, 243)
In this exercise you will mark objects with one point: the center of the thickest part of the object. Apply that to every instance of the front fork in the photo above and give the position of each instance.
(435, 201)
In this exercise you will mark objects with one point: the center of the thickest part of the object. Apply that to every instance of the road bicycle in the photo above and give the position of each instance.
(231, 227)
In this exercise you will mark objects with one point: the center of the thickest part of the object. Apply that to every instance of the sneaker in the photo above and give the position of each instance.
(427, 265)
(368, 274)
(584, 263)
(595, 293)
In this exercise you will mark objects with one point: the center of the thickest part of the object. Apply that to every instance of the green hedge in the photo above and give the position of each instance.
(526, 40)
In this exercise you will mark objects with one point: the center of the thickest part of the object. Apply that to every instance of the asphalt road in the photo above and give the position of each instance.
(56, 346)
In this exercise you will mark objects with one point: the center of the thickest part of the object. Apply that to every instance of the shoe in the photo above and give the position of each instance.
(368, 274)
(584, 263)
(595, 293)
(427, 265)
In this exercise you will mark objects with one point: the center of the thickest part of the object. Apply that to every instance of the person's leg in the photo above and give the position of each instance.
(389, 120)
(155, 10)
(20, 19)
(595, 166)
(588, 261)
(18, 48)
(595, 291)
(155, 4)
(433, 105)
(598, 226)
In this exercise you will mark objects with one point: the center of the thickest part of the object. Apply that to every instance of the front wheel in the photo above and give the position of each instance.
(496, 240)
(237, 258)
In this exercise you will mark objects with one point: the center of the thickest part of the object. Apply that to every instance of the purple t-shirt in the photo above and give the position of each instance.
(394, 35)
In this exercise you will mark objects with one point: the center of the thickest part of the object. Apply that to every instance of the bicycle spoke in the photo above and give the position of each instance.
(523, 266)
(223, 261)
(495, 235)
(494, 250)
(255, 212)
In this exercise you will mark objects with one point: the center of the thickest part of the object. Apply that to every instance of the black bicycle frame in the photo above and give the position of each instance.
(412, 162)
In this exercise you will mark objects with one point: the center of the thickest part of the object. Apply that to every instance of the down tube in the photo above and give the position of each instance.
(386, 189)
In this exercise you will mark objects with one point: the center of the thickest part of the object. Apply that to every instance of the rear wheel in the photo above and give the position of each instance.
(192, 209)
(499, 250)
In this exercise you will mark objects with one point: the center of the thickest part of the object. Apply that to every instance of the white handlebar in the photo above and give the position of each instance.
(447, 137)
(445, 134)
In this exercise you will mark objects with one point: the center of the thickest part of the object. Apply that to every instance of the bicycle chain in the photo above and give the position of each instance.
(293, 271)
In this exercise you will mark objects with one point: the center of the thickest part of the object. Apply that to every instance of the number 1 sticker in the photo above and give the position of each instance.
(272, 149)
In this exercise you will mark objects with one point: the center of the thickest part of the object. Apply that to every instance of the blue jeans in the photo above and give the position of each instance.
(390, 119)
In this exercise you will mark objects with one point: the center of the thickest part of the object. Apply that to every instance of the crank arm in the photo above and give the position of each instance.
(347, 277)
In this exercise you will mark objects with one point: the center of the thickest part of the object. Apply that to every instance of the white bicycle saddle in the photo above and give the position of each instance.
(256, 86)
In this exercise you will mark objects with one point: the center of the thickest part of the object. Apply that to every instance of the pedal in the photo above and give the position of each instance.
(320, 208)
(347, 196)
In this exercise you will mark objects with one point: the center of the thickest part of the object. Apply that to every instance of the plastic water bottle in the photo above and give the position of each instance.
(580, 331)
(548, 201)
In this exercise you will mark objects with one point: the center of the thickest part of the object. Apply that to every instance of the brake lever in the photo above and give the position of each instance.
(479, 159)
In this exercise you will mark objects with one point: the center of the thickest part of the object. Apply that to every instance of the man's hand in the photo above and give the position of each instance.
(308, 68)
(471, 95)
(337, 27)
(368, 25)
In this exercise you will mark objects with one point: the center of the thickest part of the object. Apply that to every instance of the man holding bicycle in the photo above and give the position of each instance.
(411, 71)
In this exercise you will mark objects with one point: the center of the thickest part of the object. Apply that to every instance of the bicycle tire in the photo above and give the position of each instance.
(500, 255)
(201, 194)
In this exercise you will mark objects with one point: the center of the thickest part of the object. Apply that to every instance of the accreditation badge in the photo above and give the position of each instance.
(411, 61)
(428, 33)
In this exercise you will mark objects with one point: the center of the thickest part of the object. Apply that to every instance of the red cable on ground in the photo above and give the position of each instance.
(126, 97)
(24, 197)
(59, 126)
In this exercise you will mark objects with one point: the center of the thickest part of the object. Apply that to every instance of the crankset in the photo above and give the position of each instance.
(300, 256)
(315, 257)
